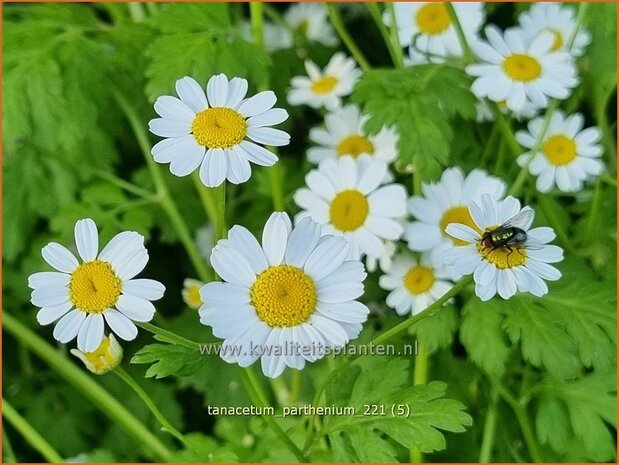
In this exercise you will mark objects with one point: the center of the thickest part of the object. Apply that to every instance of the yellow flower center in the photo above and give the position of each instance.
(94, 286)
(283, 296)
(502, 257)
(459, 214)
(419, 279)
(354, 146)
(349, 210)
(104, 358)
(559, 150)
(433, 18)
(522, 67)
(558, 42)
(324, 84)
(219, 128)
(191, 295)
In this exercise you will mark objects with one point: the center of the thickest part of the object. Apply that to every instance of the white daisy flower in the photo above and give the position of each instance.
(568, 155)
(414, 284)
(310, 21)
(104, 358)
(344, 135)
(560, 21)
(191, 292)
(211, 131)
(100, 288)
(504, 267)
(325, 88)
(444, 202)
(515, 71)
(348, 198)
(285, 301)
(428, 29)
(485, 113)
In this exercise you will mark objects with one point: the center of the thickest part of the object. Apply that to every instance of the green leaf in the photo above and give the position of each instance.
(204, 449)
(584, 410)
(436, 332)
(418, 101)
(383, 382)
(168, 359)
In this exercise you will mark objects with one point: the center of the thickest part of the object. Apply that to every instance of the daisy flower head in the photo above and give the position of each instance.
(310, 21)
(429, 31)
(285, 301)
(104, 358)
(414, 284)
(344, 135)
(558, 20)
(444, 202)
(325, 88)
(514, 70)
(502, 252)
(101, 289)
(568, 154)
(218, 131)
(191, 293)
(347, 196)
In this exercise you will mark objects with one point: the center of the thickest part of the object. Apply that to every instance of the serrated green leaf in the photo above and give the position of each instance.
(436, 332)
(204, 449)
(168, 359)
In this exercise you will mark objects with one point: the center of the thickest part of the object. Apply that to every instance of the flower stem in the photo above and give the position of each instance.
(206, 198)
(523, 421)
(420, 376)
(165, 424)
(86, 385)
(338, 25)
(384, 32)
(466, 49)
(487, 442)
(220, 225)
(166, 200)
(164, 335)
(8, 454)
(29, 433)
(506, 131)
(258, 397)
(395, 38)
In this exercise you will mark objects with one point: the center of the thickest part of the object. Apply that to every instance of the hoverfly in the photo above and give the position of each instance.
(512, 234)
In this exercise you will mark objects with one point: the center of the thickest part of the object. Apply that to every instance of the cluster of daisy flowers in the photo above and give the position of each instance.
(299, 285)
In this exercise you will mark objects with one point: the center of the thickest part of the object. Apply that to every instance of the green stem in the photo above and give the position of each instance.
(168, 336)
(163, 421)
(8, 454)
(551, 216)
(276, 17)
(498, 164)
(220, 225)
(466, 49)
(129, 187)
(487, 442)
(206, 198)
(162, 190)
(29, 433)
(490, 144)
(258, 397)
(395, 38)
(384, 32)
(296, 385)
(506, 131)
(136, 11)
(609, 180)
(338, 25)
(523, 421)
(381, 338)
(420, 376)
(256, 12)
(86, 385)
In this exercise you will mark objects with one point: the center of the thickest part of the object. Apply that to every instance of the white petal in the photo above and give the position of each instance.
(327, 257)
(135, 308)
(189, 155)
(258, 104)
(122, 326)
(122, 244)
(273, 365)
(68, 326)
(59, 257)
(232, 266)
(388, 201)
(49, 296)
(48, 278)
(144, 288)
(349, 271)
(91, 333)
(131, 264)
(269, 136)
(217, 90)
(245, 242)
(543, 270)
(239, 170)
(340, 292)
(172, 108)
(191, 94)
(224, 295)
(462, 232)
(237, 90)
(87, 239)
(331, 331)
(320, 185)
(268, 118)
(506, 283)
(348, 312)
(549, 254)
(275, 237)
(302, 242)
(543, 234)
(214, 168)
(384, 228)
(421, 236)
(258, 154)
(169, 127)
(48, 315)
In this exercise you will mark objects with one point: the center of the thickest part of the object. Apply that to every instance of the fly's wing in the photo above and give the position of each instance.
(521, 220)
(533, 244)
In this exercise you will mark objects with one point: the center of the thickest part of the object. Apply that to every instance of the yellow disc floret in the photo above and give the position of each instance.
(419, 279)
(354, 146)
(324, 85)
(521, 67)
(104, 358)
(503, 257)
(433, 18)
(283, 296)
(349, 210)
(559, 150)
(219, 128)
(558, 39)
(94, 286)
(459, 214)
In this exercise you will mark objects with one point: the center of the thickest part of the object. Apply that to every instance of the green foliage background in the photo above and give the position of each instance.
(67, 141)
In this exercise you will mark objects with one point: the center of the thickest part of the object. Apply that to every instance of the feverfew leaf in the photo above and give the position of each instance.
(436, 331)
(418, 101)
(168, 359)
(383, 382)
